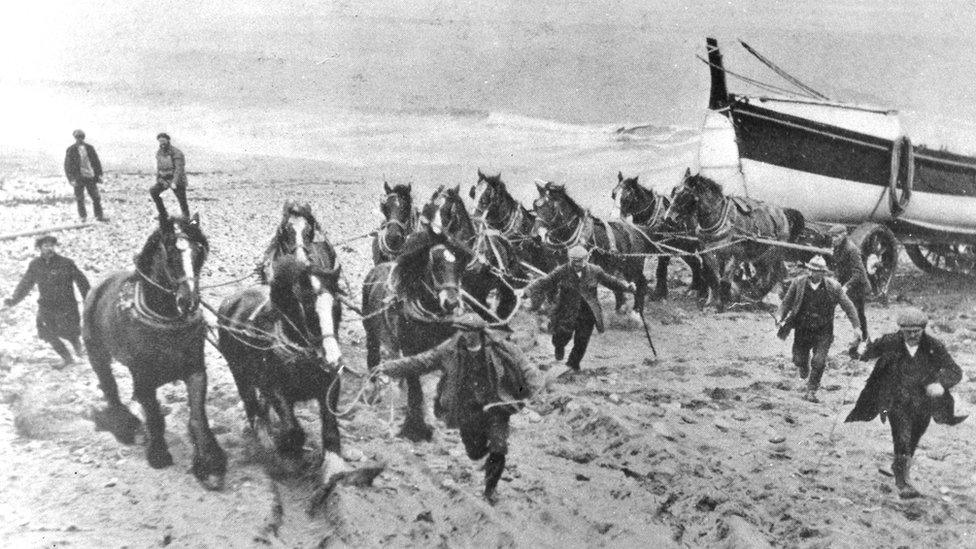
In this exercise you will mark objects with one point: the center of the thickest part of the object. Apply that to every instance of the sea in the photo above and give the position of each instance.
(431, 91)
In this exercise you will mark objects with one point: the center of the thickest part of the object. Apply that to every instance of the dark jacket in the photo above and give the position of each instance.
(574, 288)
(899, 380)
(175, 174)
(53, 277)
(498, 373)
(793, 299)
(850, 269)
(72, 162)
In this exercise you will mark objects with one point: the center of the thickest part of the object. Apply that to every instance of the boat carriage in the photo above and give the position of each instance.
(843, 163)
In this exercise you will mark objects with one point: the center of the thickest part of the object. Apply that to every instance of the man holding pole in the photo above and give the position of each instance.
(577, 310)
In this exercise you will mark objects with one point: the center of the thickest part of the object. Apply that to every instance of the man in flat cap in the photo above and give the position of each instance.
(908, 386)
(170, 174)
(851, 272)
(57, 309)
(577, 308)
(84, 171)
(485, 379)
(808, 309)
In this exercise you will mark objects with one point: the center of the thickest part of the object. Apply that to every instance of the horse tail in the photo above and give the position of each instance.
(796, 222)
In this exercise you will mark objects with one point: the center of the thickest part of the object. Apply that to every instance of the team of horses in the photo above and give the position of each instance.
(280, 335)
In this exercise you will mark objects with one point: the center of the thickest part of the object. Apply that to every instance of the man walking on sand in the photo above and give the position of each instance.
(577, 308)
(84, 171)
(909, 386)
(170, 174)
(808, 308)
(57, 309)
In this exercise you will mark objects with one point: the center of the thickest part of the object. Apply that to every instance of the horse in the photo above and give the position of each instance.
(400, 219)
(280, 342)
(298, 234)
(407, 305)
(501, 212)
(149, 320)
(563, 224)
(493, 265)
(736, 265)
(647, 209)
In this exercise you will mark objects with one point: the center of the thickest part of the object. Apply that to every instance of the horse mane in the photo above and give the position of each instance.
(561, 188)
(703, 183)
(189, 227)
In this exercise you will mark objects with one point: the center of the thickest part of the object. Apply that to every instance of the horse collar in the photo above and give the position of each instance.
(721, 227)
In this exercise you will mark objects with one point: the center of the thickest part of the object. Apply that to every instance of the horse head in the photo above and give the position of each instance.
(684, 198)
(446, 213)
(443, 275)
(492, 201)
(172, 258)
(554, 209)
(297, 229)
(397, 209)
(308, 297)
(633, 199)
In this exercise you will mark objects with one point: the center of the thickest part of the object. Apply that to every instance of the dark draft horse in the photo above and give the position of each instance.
(407, 306)
(280, 342)
(501, 212)
(494, 265)
(399, 220)
(563, 224)
(736, 266)
(149, 320)
(648, 210)
(300, 235)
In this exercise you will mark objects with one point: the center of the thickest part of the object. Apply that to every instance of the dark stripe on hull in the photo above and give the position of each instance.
(801, 144)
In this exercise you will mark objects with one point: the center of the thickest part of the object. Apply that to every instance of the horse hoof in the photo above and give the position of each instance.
(159, 459)
(212, 482)
(417, 433)
(359, 477)
(119, 421)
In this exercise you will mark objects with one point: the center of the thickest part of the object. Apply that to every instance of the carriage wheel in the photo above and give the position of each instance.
(879, 251)
(951, 258)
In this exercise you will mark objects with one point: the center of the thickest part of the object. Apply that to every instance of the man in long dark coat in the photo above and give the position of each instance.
(909, 386)
(577, 310)
(851, 273)
(808, 308)
(486, 379)
(57, 308)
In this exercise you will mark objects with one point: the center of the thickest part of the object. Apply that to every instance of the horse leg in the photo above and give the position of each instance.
(156, 451)
(415, 427)
(640, 291)
(290, 440)
(209, 459)
(116, 418)
(661, 278)
(713, 273)
(497, 449)
(698, 277)
(506, 301)
(332, 462)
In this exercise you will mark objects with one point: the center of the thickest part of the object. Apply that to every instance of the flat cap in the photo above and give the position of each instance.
(912, 317)
(578, 252)
(161, 135)
(45, 239)
(78, 133)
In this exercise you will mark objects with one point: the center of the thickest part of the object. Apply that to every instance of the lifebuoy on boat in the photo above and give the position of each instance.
(902, 175)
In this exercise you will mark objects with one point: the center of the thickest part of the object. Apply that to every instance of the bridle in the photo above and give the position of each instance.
(577, 233)
(390, 222)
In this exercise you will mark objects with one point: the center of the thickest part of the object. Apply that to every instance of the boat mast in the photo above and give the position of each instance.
(720, 94)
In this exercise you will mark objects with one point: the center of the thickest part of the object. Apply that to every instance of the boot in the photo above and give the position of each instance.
(902, 467)
(494, 466)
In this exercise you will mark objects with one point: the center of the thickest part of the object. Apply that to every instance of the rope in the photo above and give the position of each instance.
(354, 238)
(229, 282)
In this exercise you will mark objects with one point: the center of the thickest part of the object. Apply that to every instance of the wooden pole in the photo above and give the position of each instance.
(790, 245)
(32, 232)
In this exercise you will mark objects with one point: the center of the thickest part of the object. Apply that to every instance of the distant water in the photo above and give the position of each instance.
(431, 91)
